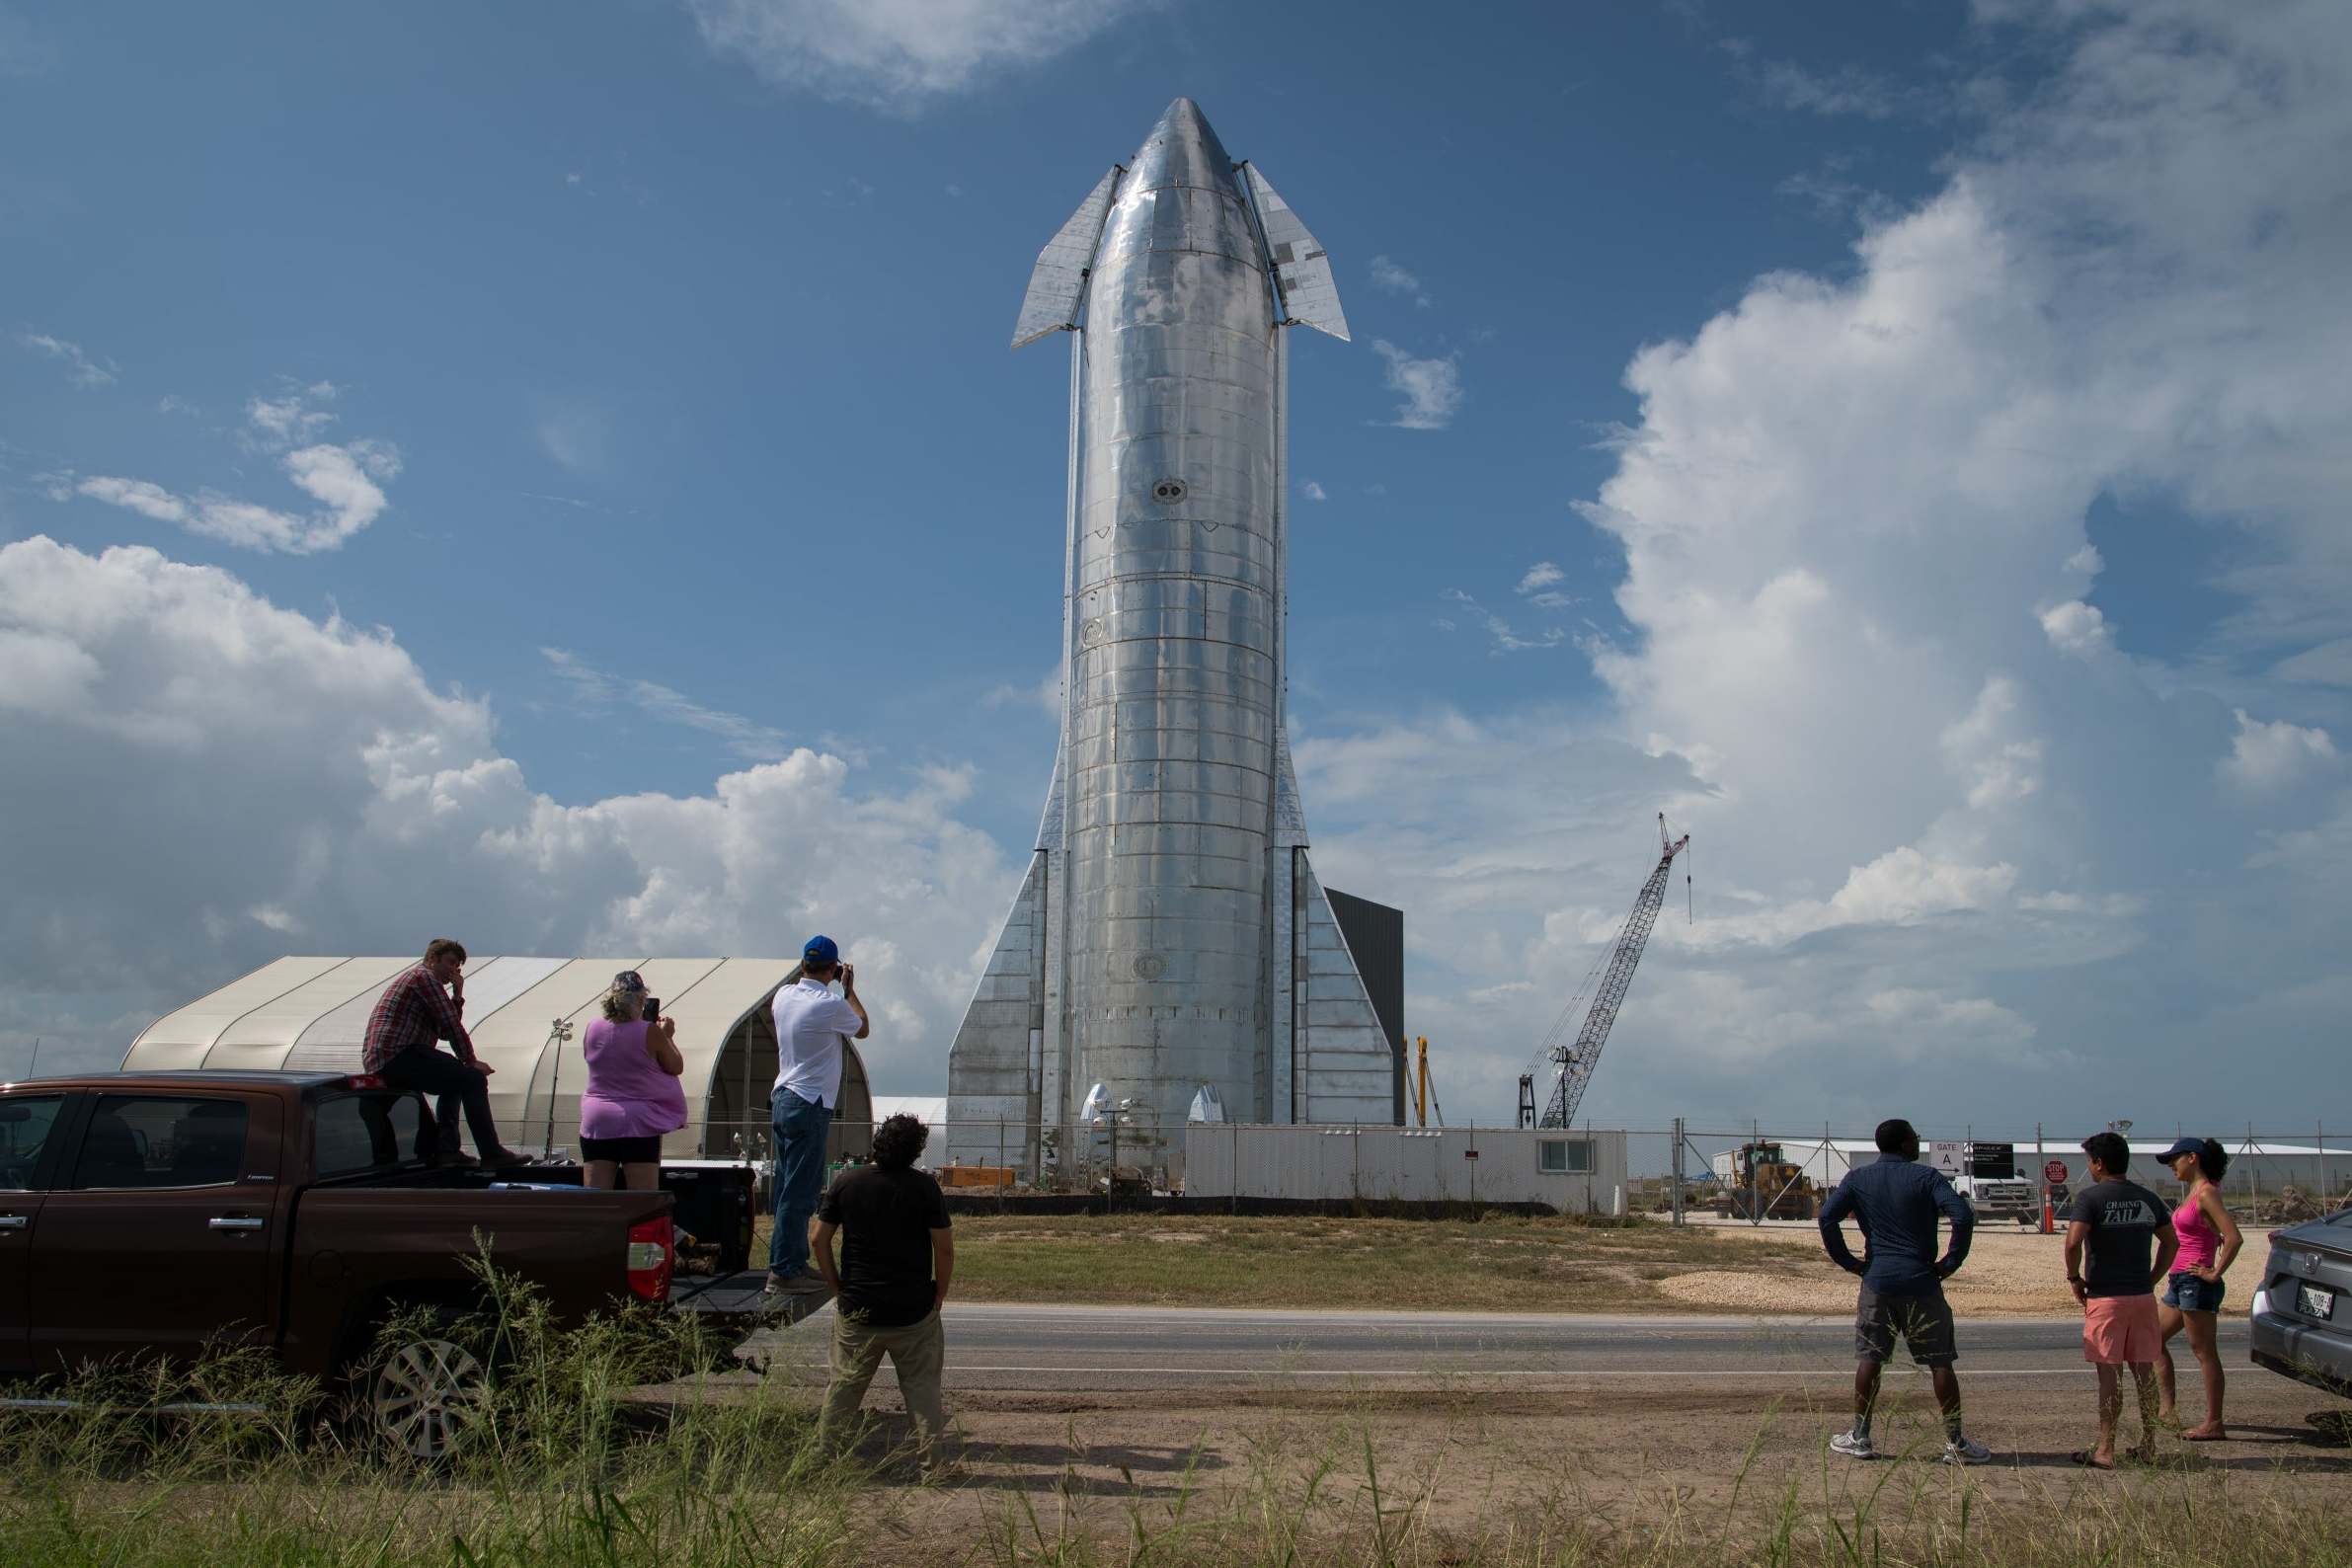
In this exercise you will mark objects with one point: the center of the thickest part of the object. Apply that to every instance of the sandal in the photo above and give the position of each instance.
(2088, 1459)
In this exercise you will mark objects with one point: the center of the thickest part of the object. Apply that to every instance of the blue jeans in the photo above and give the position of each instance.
(801, 1127)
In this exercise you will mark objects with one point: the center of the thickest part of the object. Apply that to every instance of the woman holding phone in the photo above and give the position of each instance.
(633, 1092)
(2209, 1243)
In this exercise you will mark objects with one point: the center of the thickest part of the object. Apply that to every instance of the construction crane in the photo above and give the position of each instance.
(1573, 1063)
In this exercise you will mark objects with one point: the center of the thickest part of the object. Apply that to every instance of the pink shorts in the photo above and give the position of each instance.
(2120, 1329)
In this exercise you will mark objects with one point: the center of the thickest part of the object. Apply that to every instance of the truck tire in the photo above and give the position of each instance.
(421, 1395)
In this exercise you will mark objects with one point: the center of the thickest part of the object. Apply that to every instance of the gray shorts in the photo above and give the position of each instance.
(1923, 1320)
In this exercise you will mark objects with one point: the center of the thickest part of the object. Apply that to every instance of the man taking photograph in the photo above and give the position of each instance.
(812, 1027)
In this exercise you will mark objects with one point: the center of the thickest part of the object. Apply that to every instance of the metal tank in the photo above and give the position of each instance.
(1169, 935)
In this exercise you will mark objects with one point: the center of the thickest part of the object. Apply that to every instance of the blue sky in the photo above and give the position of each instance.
(637, 375)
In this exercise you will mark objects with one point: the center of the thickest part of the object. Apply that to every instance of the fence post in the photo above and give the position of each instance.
(2253, 1175)
(996, 1176)
(1677, 1174)
(1233, 1174)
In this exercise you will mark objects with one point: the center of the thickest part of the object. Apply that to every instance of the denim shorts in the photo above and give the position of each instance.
(2189, 1293)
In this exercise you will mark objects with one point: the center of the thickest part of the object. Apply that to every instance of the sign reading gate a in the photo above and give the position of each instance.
(1950, 1156)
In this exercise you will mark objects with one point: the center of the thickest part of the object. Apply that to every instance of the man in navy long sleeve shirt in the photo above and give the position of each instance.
(1896, 1201)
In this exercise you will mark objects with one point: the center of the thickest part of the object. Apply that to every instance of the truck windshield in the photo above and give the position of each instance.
(373, 1129)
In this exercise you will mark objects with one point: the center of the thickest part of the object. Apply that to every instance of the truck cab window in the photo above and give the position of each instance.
(25, 1125)
(367, 1132)
(142, 1140)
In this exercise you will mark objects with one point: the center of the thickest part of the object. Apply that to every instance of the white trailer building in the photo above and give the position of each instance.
(1572, 1171)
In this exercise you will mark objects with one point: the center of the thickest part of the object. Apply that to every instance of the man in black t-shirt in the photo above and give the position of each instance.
(897, 1255)
(2127, 1233)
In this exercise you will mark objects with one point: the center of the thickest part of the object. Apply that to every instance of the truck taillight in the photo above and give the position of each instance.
(648, 1260)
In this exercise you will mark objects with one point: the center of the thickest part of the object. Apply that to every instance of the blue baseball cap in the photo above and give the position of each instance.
(2186, 1146)
(820, 950)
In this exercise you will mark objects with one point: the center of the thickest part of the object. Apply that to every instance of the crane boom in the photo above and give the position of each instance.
(1573, 1063)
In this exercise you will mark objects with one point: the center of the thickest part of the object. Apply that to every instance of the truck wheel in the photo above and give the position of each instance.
(424, 1395)
(2026, 1219)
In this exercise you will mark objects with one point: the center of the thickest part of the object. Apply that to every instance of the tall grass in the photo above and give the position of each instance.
(561, 1469)
(572, 1467)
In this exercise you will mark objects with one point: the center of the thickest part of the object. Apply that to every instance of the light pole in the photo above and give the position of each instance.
(556, 1033)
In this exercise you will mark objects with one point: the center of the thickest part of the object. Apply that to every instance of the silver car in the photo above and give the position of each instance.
(2303, 1311)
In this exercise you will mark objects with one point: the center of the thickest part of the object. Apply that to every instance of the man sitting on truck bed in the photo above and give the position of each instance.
(414, 1012)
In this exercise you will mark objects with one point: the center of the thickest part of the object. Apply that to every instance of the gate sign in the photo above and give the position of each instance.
(1950, 1156)
(2054, 1172)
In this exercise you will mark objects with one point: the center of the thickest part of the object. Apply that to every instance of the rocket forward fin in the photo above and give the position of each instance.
(1290, 816)
(1305, 268)
(1060, 281)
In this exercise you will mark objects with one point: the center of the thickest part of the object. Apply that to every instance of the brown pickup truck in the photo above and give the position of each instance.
(154, 1215)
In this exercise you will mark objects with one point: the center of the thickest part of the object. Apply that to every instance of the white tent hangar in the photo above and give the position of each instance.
(310, 1014)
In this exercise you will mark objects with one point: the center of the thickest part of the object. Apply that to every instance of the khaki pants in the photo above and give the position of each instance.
(917, 1352)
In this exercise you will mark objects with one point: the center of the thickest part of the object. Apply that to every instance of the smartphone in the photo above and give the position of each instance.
(653, 1009)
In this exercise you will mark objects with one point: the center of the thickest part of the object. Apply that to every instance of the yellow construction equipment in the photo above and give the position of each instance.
(1762, 1180)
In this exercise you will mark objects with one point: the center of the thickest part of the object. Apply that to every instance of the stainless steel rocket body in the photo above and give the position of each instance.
(1169, 933)
(1174, 673)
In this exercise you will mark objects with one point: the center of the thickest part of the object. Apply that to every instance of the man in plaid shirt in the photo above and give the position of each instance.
(414, 1012)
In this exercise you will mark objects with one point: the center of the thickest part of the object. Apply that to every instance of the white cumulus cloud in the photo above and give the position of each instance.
(81, 369)
(898, 54)
(218, 779)
(346, 481)
(1432, 388)
(2272, 756)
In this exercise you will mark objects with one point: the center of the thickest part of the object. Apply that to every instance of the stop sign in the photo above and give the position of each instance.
(2054, 1172)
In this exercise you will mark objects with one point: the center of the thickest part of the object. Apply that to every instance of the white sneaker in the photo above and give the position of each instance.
(1852, 1446)
(1966, 1452)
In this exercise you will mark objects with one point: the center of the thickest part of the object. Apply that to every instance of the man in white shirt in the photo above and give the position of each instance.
(811, 1026)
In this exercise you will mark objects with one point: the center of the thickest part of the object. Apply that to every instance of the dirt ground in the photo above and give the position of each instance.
(2012, 1270)
(1714, 1460)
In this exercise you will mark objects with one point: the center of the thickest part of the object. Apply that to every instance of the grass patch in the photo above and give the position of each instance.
(1496, 1263)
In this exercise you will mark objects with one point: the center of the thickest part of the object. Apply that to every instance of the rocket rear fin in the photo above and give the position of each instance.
(1301, 265)
(1060, 281)
(989, 1062)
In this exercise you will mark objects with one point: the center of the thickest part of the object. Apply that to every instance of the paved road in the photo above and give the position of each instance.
(1134, 1349)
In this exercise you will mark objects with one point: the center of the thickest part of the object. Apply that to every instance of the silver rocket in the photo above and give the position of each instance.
(1170, 933)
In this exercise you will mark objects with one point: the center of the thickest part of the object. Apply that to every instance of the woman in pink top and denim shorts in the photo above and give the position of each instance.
(633, 1092)
(2209, 1243)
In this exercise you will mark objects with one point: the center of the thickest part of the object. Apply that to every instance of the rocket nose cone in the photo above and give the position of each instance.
(1182, 149)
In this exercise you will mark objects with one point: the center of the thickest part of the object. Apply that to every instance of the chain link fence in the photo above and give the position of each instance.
(1683, 1172)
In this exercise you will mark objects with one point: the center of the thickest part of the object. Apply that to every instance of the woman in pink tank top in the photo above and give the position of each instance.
(632, 1093)
(2209, 1243)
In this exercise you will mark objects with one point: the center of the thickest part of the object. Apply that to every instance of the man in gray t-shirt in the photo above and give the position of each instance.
(2121, 1229)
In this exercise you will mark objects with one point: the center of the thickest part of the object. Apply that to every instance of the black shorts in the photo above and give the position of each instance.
(1923, 1320)
(622, 1150)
